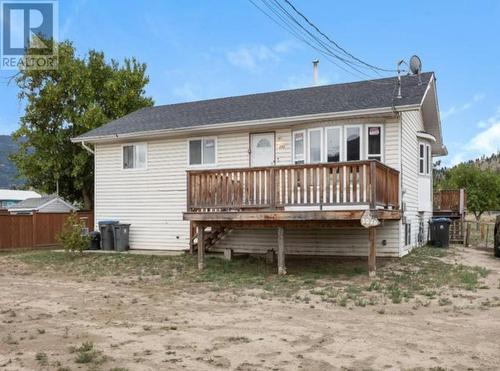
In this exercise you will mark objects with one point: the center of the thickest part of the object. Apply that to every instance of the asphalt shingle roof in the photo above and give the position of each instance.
(360, 95)
(33, 203)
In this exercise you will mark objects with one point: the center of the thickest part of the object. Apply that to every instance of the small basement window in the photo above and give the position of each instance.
(407, 234)
(135, 156)
(202, 151)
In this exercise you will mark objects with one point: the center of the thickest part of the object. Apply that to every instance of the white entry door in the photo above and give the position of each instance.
(262, 147)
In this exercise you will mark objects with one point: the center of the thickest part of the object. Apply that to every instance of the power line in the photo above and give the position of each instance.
(333, 42)
(288, 22)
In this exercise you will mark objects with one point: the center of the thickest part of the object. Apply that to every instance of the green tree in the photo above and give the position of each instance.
(82, 93)
(483, 187)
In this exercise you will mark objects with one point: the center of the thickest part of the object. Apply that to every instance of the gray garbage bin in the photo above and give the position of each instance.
(440, 232)
(121, 234)
(107, 234)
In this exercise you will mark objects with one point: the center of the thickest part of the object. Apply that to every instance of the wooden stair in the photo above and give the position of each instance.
(212, 236)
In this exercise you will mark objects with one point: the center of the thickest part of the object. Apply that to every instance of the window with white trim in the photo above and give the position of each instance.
(428, 163)
(374, 142)
(315, 145)
(333, 143)
(134, 156)
(353, 143)
(299, 144)
(421, 158)
(202, 151)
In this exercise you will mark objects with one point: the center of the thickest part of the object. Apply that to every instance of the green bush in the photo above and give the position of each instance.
(71, 236)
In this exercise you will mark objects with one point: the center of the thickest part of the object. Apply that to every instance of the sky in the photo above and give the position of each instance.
(199, 49)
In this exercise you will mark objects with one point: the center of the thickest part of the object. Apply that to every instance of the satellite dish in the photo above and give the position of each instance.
(415, 65)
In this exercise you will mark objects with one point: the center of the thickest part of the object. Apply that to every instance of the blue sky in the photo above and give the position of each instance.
(207, 48)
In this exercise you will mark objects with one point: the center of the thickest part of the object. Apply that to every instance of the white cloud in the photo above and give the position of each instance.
(251, 57)
(485, 142)
(457, 109)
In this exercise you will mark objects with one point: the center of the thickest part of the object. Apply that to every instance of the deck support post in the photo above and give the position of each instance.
(372, 236)
(281, 251)
(201, 247)
(228, 254)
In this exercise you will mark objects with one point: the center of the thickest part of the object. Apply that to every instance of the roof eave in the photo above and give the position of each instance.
(241, 124)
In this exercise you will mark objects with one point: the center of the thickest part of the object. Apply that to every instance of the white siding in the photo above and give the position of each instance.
(153, 200)
(412, 123)
(347, 242)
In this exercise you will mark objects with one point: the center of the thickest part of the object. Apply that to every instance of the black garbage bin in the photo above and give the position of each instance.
(440, 232)
(95, 240)
(496, 246)
(121, 234)
(107, 234)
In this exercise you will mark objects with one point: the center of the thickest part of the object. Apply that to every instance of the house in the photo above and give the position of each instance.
(10, 197)
(45, 204)
(291, 171)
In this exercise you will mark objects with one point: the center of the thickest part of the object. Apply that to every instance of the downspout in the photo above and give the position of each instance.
(89, 150)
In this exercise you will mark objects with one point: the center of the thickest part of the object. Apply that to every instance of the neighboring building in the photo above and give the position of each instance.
(309, 160)
(45, 204)
(10, 197)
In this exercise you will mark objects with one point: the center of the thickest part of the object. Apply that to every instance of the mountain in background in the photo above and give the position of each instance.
(8, 170)
(491, 162)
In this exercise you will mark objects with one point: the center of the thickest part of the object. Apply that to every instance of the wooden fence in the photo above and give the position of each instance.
(479, 234)
(36, 231)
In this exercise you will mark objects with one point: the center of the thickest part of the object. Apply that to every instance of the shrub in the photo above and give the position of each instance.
(71, 236)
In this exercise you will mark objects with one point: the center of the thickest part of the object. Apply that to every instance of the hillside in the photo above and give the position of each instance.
(8, 170)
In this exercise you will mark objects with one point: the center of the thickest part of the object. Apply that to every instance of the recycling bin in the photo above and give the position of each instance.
(107, 234)
(95, 240)
(440, 232)
(121, 235)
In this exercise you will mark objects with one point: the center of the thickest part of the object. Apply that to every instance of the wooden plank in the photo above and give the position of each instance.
(289, 215)
(281, 251)
(372, 254)
(290, 224)
(201, 247)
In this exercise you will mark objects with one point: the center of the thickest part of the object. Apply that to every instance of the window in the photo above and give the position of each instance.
(333, 141)
(315, 145)
(353, 143)
(298, 147)
(374, 142)
(421, 158)
(428, 163)
(264, 143)
(202, 151)
(407, 234)
(135, 156)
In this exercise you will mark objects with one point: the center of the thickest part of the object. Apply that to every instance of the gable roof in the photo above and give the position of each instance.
(38, 203)
(361, 95)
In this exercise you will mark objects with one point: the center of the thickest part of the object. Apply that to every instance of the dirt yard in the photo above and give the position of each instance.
(431, 310)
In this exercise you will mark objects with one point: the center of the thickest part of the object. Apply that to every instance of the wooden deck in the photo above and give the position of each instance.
(316, 196)
(326, 188)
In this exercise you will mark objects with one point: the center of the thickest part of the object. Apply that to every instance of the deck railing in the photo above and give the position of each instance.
(450, 200)
(369, 183)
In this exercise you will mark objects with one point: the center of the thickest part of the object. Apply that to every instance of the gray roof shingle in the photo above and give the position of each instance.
(354, 96)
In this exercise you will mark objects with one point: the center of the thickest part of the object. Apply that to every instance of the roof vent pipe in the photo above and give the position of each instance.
(315, 71)
(398, 68)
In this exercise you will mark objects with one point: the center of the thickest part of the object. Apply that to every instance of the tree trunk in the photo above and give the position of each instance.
(478, 217)
(87, 199)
